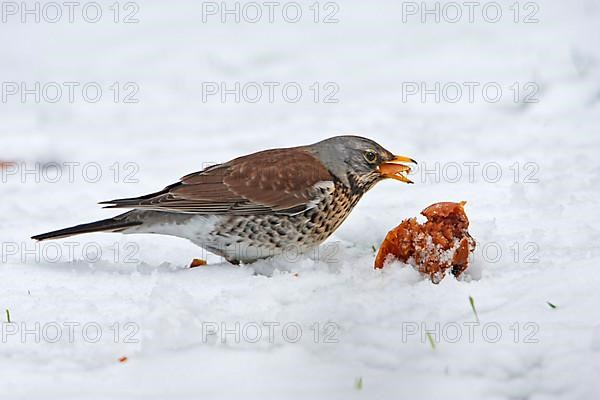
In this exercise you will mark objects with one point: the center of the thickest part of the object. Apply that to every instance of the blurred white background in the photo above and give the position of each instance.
(367, 59)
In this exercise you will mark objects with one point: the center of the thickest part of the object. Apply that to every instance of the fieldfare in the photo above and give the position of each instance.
(258, 205)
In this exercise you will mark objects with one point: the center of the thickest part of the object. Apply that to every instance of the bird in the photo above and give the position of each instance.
(262, 204)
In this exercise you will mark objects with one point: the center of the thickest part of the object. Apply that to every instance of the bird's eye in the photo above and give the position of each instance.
(370, 156)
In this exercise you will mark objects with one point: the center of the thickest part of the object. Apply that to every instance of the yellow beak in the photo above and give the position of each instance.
(395, 169)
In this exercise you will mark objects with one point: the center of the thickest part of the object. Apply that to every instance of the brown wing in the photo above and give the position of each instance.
(284, 181)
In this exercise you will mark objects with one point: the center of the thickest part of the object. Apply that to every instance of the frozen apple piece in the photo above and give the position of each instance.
(441, 243)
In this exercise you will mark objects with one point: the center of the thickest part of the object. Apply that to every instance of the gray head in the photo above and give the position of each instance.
(359, 162)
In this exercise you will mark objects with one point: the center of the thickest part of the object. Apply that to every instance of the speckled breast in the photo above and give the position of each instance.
(273, 233)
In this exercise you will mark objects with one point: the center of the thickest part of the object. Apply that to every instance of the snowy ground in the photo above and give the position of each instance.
(362, 331)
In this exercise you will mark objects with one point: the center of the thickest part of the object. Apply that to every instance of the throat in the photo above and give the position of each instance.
(360, 184)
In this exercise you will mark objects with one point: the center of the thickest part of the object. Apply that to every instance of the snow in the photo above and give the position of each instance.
(371, 323)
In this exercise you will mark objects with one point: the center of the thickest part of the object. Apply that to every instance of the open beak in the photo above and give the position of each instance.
(395, 169)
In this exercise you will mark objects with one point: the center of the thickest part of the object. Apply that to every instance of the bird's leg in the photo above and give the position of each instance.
(198, 262)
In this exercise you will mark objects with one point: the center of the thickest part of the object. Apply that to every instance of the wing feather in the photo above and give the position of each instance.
(283, 181)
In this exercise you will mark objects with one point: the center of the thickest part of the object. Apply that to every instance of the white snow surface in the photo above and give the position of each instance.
(371, 323)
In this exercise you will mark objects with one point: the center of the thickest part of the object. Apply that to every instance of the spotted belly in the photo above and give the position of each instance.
(251, 237)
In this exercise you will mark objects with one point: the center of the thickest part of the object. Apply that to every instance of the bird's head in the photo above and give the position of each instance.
(357, 161)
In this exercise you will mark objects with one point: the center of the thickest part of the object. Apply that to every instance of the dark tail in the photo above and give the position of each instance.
(111, 225)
